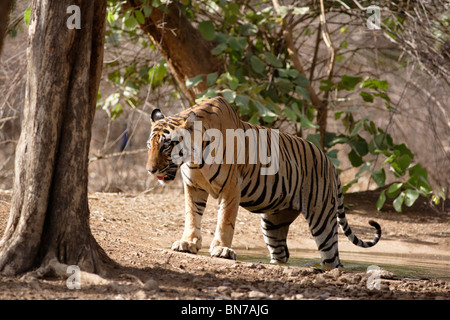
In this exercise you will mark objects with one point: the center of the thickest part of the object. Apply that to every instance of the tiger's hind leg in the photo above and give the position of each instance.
(275, 228)
(325, 233)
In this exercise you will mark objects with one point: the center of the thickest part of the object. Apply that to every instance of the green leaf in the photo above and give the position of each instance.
(249, 29)
(315, 139)
(116, 112)
(327, 85)
(394, 189)
(356, 129)
(381, 200)
(398, 202)
(348, 82)
(411, 196)
(237, 43)
(156, 74)
(242, 103)
(359, 145)
(382, 95)
(375, 84)
(283, 85)
(391, 108)
(211, 78)
(303, 92)
(209, 93)
(130, 22)
(139, 16)
(401, 164)
(221, 47)
(367, 97)
(290, 114)
(254, 119)
(263, 110)
(347, 186)
(26, 16)
(109, 17)
(257, 64)
(229, 95)
(147, 10)
(193, 82)
(379, 176)
(306, 124)
(333, 156)
(418, 176)
(207, 30)
(404, 150)
(300, 80)
(273, 60)
(355, 159)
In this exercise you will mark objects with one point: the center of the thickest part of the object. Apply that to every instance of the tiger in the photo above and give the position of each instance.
(305, 182)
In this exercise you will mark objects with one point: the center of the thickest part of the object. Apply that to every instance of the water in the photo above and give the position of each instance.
(426, 267)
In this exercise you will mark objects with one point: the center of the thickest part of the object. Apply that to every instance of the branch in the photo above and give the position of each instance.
(116, 154)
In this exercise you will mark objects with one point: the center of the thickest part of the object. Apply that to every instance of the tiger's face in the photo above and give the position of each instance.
(160, 145)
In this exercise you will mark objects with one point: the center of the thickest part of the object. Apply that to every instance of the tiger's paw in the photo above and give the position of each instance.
(187, 246)
(222, 252)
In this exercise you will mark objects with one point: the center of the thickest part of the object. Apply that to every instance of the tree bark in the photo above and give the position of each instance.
(186, 52)
(49, 216)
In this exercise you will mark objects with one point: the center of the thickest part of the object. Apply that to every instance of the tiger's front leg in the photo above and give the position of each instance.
(195, 203)
(226, 220)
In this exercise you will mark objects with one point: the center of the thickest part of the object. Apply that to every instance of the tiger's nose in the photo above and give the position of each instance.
(152, 170)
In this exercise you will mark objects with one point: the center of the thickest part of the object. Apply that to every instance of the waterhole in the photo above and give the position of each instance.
(404, 265)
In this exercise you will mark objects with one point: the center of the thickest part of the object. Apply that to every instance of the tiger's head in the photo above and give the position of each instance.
(160, 145)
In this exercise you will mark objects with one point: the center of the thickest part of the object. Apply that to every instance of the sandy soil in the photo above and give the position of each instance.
(137, 231)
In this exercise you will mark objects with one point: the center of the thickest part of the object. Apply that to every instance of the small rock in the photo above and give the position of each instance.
(306, 282)
(256, 294)
(237, 295)
(291, 272)
(384, 287)
(326, 295)
(319, 282)
(151, 285)
(224, 289)
(384, 274)
(140, 295)
(335, 273)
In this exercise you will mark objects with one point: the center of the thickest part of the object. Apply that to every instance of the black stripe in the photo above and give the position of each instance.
(271, 226)
(215, 174)
(225, 182)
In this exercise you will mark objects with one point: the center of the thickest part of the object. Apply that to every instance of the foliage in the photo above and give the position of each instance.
(260, 80)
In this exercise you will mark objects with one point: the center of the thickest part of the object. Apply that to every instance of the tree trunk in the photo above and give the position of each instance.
(5, 8)
(187, 53)
(49, 216)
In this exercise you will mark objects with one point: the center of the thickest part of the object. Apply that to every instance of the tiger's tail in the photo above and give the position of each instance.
(342, 220)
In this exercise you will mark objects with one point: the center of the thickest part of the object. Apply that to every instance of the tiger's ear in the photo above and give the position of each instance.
(157, 115)
(189, 122)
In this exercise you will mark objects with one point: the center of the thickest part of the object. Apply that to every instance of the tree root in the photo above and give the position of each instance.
(54, 268)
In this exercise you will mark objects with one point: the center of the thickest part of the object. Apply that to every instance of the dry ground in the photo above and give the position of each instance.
(137, 231)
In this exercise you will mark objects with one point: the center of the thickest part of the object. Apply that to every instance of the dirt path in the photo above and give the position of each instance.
(138, 230)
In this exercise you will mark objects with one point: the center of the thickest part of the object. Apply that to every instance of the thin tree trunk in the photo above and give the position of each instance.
(50, 215)
(187, 53)
(320, 105)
